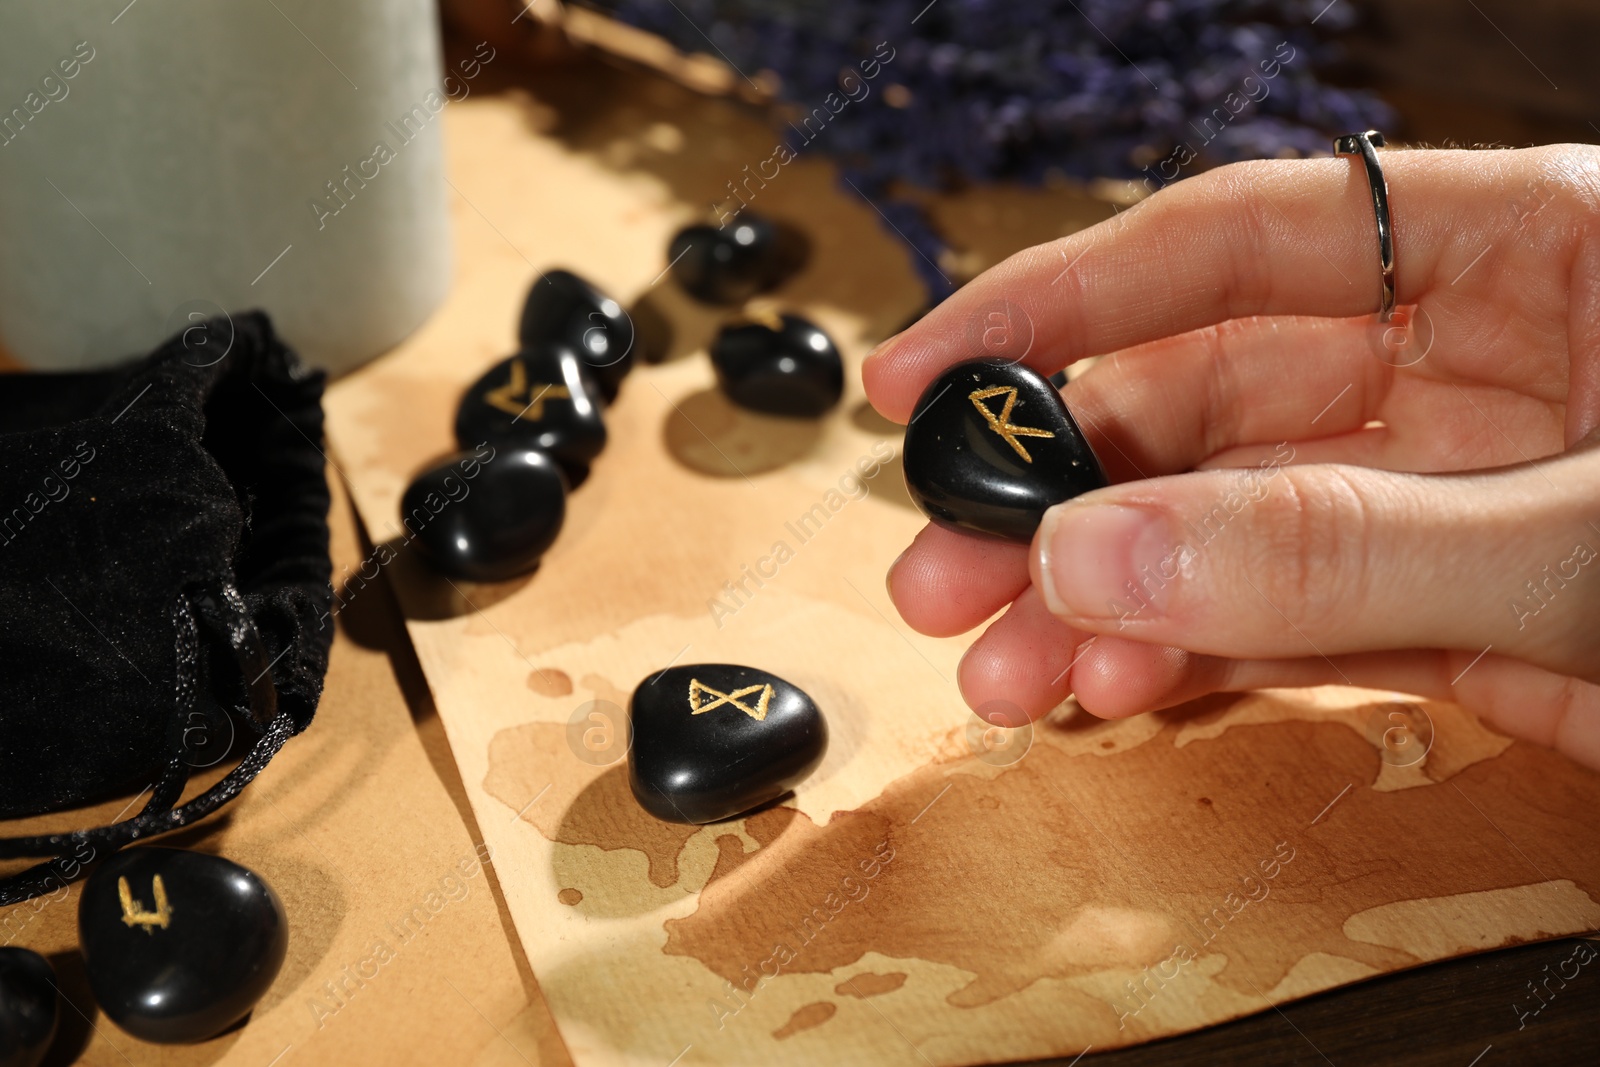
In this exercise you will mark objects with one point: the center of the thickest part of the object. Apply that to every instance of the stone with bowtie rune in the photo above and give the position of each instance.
(713, 740)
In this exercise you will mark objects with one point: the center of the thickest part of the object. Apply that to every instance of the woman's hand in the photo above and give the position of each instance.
(1412, 505)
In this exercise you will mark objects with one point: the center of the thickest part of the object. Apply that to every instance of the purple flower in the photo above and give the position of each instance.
(1012, 90)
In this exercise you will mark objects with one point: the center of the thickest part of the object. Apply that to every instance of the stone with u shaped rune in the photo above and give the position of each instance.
(179, 945)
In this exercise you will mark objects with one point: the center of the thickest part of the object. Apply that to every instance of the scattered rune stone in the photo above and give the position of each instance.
(779, 364)
(564, 307)
(486, 520)
(730, 264)
(28, 1011)
(179, 945)
(713, 740)
(541, 398)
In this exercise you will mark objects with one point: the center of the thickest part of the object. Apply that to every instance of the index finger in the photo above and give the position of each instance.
(1271, 237)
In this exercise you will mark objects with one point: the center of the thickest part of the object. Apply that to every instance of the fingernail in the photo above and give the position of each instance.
(880, 351)
(1105, 561)
(888, 575)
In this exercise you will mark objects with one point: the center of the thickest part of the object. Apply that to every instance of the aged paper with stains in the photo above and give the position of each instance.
(914, 902)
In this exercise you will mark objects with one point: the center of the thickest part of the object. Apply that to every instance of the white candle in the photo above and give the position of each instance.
(167, 157)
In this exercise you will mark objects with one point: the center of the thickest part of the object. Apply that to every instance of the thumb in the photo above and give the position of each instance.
(1287, 561)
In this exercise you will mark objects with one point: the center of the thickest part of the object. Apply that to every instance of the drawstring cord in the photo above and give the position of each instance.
(228, 613)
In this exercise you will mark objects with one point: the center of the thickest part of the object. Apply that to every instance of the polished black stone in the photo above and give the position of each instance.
(990, 446)
(541, 398)
(486, 514)
(780, 364)
(731, 263)
(1059, 379)
(179, 946)
(713, 740)
(27, 1007)
(564, 307)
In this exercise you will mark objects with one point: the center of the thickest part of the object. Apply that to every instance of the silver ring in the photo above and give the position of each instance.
(1362, 144)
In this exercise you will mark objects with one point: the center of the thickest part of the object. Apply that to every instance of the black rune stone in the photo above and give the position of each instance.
(564, 307)
(27, 1007)
(486, 515)
(731, 263)
(779, 364)
(542, 398)
(179, 945)
(713, 740)
(991, 446)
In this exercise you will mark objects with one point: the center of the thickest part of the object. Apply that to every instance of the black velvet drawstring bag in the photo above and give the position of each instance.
(163, 567)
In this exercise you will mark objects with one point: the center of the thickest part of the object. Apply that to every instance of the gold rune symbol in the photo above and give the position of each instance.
(766, 316)
(133, 913)
(699, 704)
(1001, 423)
(508, 397)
